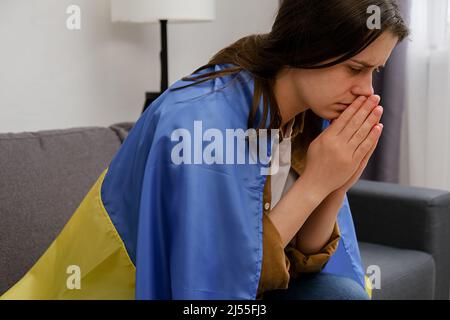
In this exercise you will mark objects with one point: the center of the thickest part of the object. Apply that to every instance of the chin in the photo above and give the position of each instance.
(327, 114)
(334, 114)
(335, 117)
(330, 115)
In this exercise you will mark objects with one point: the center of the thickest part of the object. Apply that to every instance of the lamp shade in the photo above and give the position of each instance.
(149, 11)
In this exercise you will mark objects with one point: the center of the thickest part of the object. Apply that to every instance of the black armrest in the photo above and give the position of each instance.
(405, 217)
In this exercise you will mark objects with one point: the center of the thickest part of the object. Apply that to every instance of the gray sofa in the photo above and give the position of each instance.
(44, 176)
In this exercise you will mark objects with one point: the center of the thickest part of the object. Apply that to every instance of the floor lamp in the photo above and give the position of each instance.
(161, 11)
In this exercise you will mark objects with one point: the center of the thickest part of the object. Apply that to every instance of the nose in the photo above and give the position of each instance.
(364, 87)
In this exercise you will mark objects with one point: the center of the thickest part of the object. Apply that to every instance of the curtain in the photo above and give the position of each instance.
(390, 85)
(425, 147)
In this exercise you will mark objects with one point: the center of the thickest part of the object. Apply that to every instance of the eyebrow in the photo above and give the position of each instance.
(365, 64)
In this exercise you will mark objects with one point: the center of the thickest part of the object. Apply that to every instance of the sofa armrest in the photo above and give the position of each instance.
(405, 217)
(122, 129)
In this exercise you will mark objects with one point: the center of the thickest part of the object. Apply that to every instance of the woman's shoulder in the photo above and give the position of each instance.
(235, 86)
(224, 101)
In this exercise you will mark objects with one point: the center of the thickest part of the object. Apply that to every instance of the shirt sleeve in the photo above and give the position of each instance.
(275, 264)
(280, 264)
(302, 263)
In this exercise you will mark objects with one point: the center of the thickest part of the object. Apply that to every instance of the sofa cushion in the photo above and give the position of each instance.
(122, 129)
(44, 177)
(404, 274)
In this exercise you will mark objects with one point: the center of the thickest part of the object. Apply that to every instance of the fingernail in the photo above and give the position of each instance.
(381, 125)
(375, 98)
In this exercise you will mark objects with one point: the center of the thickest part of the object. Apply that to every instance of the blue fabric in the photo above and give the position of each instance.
(346, 261)
(319, 286)
(193, 231)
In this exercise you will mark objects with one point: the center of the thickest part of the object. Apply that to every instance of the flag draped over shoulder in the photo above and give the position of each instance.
(153, 229)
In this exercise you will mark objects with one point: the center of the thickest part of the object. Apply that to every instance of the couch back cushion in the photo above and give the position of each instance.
(43, 178)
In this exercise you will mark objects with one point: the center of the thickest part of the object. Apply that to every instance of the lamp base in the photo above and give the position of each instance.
(149, 98)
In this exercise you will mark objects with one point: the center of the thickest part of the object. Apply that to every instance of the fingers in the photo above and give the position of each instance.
(363, 163)
(366, 148)
(364, 130)
(357, 120)
(339, 124)
(369, 154)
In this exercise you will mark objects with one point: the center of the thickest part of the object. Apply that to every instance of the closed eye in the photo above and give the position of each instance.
(357, 71)
(354, 70)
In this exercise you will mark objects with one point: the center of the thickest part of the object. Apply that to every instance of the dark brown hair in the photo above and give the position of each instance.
(304, 35)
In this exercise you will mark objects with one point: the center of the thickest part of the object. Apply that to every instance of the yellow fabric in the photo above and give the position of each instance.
(368, 286)
(90, 241)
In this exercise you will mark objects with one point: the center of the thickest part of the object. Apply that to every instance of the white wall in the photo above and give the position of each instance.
(52, 77)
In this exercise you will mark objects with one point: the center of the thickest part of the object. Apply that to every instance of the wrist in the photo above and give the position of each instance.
(338, 194)
(315, 191)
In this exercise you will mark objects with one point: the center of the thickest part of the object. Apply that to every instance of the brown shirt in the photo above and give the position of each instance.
(280, 264)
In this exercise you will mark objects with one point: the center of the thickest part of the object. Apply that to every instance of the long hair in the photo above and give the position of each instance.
(304, 35)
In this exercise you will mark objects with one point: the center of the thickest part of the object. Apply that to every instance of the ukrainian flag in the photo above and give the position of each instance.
(151, 229)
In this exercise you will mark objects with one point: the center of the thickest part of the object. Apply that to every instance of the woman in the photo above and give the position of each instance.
(197, 205)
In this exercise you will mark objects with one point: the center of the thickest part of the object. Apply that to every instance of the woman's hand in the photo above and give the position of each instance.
(337, 157)
(342, 190)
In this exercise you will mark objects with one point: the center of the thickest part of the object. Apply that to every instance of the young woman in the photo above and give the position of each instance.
(197, 205)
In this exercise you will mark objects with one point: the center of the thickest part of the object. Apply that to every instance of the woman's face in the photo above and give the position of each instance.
(327, 92)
